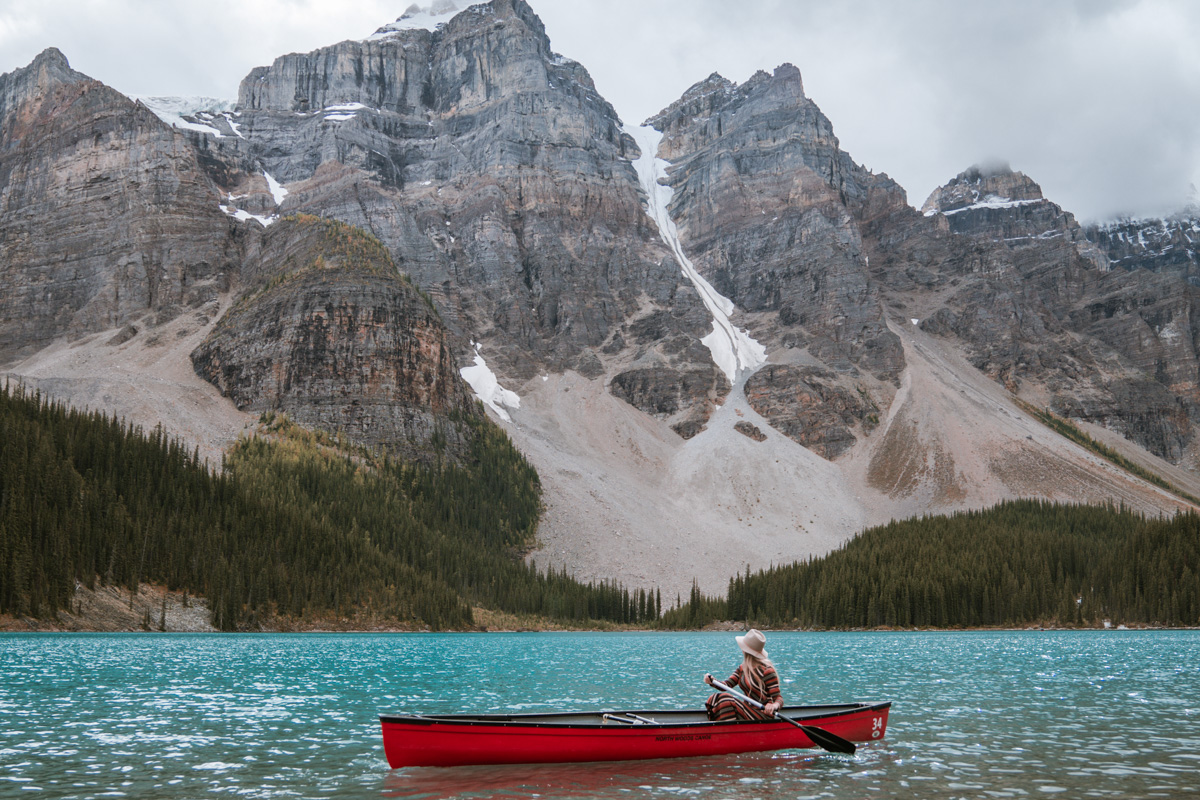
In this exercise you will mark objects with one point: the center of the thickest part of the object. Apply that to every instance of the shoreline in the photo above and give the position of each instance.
(28, 625)
(155, 609)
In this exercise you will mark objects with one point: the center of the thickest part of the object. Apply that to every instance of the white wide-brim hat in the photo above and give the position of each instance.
(753, 643)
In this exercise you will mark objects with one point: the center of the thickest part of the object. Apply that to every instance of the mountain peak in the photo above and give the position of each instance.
(48, 70)
(985, 169)
(995, 202)
(707, 94)
(785, 84)
(417, 17)
(51, 57)
(986, 185)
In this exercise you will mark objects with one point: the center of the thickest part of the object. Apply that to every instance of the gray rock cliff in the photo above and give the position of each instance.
(501, 183)
(329, 332)
(765, 201)
(106, 215)
(1157, 245)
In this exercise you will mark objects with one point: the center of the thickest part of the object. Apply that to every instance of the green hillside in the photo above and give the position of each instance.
(294, 526)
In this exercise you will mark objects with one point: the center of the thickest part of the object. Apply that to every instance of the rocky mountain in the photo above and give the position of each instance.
(1036, 304)
(380, 220)
(763, 199)
(115, 225)
(996, 203)
(106, 215)
(502, 184)
(329, 332)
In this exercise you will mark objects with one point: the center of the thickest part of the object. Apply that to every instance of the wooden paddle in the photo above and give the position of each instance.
(822, 738)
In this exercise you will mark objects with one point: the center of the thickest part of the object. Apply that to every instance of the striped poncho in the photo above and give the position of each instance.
(723, 706)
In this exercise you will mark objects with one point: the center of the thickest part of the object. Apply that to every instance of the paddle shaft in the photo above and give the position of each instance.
(820, 737)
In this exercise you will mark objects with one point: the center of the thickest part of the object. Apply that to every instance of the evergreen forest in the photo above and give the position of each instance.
(294, 525)
(297, 525)
(1020, 563)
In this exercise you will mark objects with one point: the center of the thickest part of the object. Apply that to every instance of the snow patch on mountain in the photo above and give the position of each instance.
(733, 349)
(487, 387)
(191, 113)
(990, 201)
(1150, 243)
(345, 111)
(241, 215)
(277, 190)
(418, 17)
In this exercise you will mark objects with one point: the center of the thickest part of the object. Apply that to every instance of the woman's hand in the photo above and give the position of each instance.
(773, 707)
(708, 679)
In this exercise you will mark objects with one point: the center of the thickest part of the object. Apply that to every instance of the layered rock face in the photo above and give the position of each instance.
(330, 333)
(1152, 322)
(764, 202)
(1156, 245)
(813, 407)
(106, 216)
(500, 181)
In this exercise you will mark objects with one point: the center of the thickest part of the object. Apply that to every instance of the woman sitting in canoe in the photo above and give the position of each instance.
(755, 677)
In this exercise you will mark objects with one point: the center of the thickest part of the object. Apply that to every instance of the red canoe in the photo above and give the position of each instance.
(451, 740)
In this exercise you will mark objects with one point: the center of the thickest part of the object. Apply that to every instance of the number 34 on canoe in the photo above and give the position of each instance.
(448, 740)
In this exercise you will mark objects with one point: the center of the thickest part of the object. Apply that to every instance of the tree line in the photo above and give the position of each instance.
(296, 524)
(1020, 563)
(293, 524)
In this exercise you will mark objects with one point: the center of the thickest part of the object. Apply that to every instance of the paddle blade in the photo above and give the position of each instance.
(829, 741)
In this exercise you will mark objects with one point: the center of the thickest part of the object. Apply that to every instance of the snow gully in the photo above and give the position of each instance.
(733, 349)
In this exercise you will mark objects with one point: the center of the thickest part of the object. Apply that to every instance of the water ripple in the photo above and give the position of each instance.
(1020, 714)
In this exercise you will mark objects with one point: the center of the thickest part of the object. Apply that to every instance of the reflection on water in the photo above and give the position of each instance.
(675, 777)
(1008, 714)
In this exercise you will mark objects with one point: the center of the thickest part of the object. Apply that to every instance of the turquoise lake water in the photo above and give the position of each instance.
(1112, 714)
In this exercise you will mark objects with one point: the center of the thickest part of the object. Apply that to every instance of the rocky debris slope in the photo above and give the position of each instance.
(141, 373)
(329, 332)
(628, 499)
(953, 438)
(111, 609)
(106, 216)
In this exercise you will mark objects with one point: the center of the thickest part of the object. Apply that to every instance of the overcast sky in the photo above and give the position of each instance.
(1097, 100)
